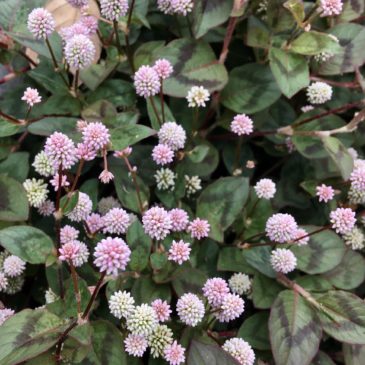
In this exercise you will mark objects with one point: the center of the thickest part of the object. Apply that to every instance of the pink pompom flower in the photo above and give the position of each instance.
(95, 135)
(199, 228)
(179, 219)
(147, 81)
(283, 260)
(232, 307)
(157, 223)
(163, 68)
(116, 221)
(31, 96)
(162, 154)
(111, 255)
(174, 354)
(106, 176)
(331, 7)
(215, 290)
(162, 309)
(343, 220)
(68, 234)
(242, 125)
(301, 237)
(41, 23)
(79, 51)
(281, 227)
(179, 252)
(94, 223)
(135, 345)
(325, 193)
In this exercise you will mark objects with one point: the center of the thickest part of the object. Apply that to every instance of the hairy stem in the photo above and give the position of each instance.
(94, 295)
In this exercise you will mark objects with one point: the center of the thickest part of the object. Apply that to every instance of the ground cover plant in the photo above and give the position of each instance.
(182, 182)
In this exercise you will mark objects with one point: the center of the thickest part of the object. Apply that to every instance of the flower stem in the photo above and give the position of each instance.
(162, 103)
(54, 60)
(117, 39)
(155, 110)
(128, 47)
(76, 287)
(94, 295)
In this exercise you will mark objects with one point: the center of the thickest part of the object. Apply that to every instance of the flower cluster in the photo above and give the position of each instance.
(197, 96)
(330, 7)
(319, 93)
(11, 273)
(242, 125)
(181, 7)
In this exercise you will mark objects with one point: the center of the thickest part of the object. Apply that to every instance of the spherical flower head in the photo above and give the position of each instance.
(199, 228)
(215, 289)
(182, 7)
(121, 304)
(197, 96)
(36, 191)
(116, 221)
(301, 237)
(355, 239)
(47, 208)
(325, 193)
(105, 204)
(82, 256)
(31, 97)
(157, 223)
(242, 125)
(68, 234)
(331, 7)
(165, 179)
(240, 350)
(164, 6)
(359, 163)
(67, 33)
(50, 296)
(55, 181)
(60, 150)
(231, 308)
(281, 227)
(283, 260)
(354, 154)
(161, 337)
(113, 9)
(43, 165)
(265, 188)
(14, 285)
(85, 152)
(240, 283)
(3, 282)
(192, 184)
(82, 209)
(112, 255)
(162, 309)
(142, 321)
(96, 136)
(79, 51)
(69, 251)
(13, 266)
(343, 220)
(190, 309)
(147, 81)
(135, 345)
(323, 57)
(179, 219)
(174, 354)
(357, 178)
(94, 223)
(162, 154)
(356, 196)
(179, 252)
(319, 93)
(163, 68)
(106, 177)
(78, 3)
(5, 313)
(172, 135)
(90, 23)
(41, 23)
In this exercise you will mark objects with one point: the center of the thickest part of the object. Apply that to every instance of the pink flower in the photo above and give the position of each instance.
(357, 178)
(5, 313)
(147, 81)
(135, 345)
(325, 193)
(281, 227)
(85, 152)
(78, 3)
(173, 135)
(242, 124)
(94, 223)
(301, 237)
(240, 350)
(215, 290)
(343, 220)
(41, 23)
(199, 228)
(69, 251)
(79, 51)
(68, 234)
(31, 96)
(283, 260)
(179, 252)
(174, 354)
(265, 188)
(96, 136)
(106, 176)
(113, 9)
(162, 154)
(163, 68)
(232, 307)
(116, 221)
(123, 153)
(182, 7)
(81, 124)
(3, 282)
(60, 150)
(157, 223)
(179, 219)
(56, 180)
(111, 255)
(47, 208)
(67, 33)
(190, 309)
(331, 7)
(90, 22)
(13, 266)
(162, 309)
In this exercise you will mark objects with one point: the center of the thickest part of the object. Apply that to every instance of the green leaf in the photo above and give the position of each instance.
(312, 43)
(194, 63)
(259, 85)
(94, 75)
(290, 71)
(186, 279)
(255, 331)
(8, 129)
(350, 11)
(340, 156)
(322, 359)
(258, 34)
(28, 334)
(128, 135)
(352, 52)
(30, 244)
(198, 153)
(136, 237)
(350, 273)
(324, 252)
(264, 291)
(296, 7)
(232, 259)
(16, 166)
(145, 290)
(343, 316)
(207, 14)
(205, 354)
(46, 126)
(139, 259)
(294, 332)
(13, 200)
(259, 258)
(155, 122)
(144, 55)
(158, 260)
(100, 110)
(354, 354)
(221, 202)
(71, 203)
